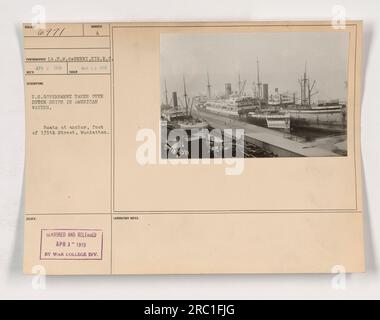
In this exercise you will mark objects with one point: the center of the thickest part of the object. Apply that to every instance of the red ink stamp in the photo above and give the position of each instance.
(71, 244)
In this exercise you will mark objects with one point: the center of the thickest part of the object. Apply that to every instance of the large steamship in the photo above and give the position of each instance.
(323, 116)
(242, 106)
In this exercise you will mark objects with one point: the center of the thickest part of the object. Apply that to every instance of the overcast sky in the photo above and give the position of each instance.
(282, 59)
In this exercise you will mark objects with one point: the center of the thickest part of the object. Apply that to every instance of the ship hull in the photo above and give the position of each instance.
(223, 112)
(319, 119)
(258, 121)
(281, 122)
(196, 126)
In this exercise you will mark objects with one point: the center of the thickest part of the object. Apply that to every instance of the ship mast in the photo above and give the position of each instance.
(185, 95)
(258, 82)
(208, 86)
(306, 89)
(305, 84)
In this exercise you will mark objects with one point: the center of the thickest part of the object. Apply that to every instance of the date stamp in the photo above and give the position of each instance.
(71, 244)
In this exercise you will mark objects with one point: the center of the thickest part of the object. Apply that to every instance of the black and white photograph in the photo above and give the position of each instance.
(253, 94)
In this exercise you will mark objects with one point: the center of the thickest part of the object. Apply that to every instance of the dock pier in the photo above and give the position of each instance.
(268, 139)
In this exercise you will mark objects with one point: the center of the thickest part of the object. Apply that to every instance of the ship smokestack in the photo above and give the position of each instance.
(228, 89)
(265, 92)
(175, 99)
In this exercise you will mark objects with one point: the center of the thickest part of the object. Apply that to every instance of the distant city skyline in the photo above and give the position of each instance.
(282, 58)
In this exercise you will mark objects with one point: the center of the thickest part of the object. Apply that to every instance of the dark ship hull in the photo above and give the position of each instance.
(323, 119)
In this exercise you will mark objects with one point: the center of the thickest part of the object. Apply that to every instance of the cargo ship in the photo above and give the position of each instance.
(268, 112)
(174, 116)
(329, 116)
(180, 117)
(319, 118)
(238, 105)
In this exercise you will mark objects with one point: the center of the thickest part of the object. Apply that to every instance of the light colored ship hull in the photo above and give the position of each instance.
(223, 111)
(270, 121)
